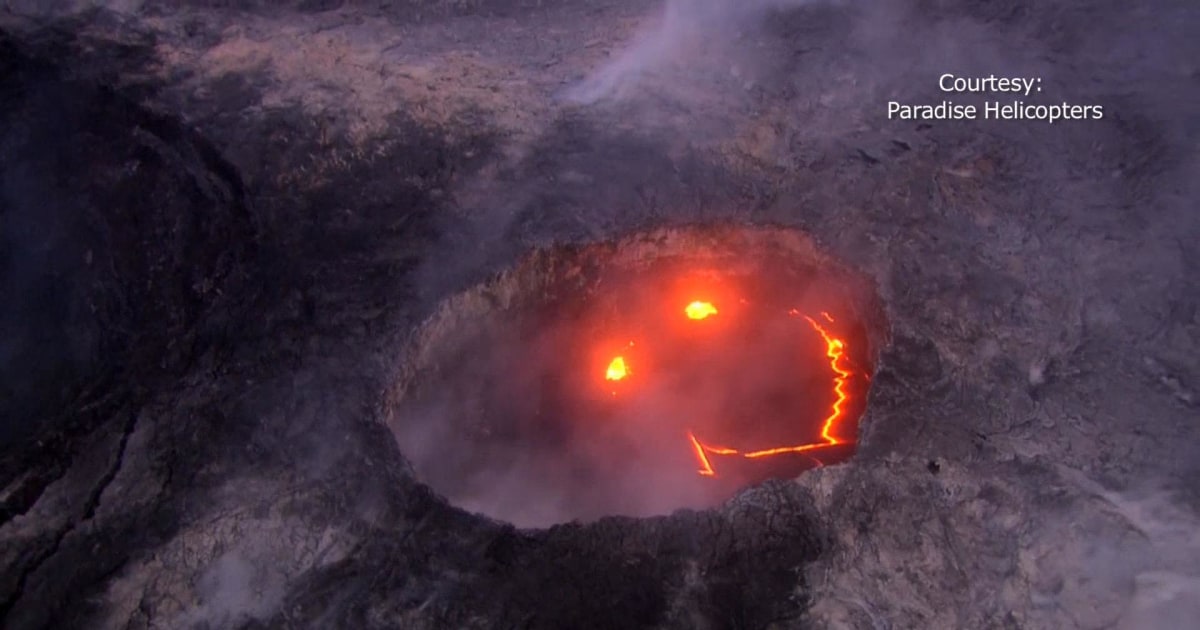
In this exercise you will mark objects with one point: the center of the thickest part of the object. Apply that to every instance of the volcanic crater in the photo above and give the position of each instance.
(662, 370)
(595, 314)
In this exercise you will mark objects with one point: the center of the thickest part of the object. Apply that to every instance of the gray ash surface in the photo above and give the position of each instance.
(221, 221)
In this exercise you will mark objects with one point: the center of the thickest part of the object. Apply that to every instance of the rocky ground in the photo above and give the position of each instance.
(220, 220)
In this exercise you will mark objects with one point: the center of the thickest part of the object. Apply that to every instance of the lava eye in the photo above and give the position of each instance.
(616, 369)
(699, 310)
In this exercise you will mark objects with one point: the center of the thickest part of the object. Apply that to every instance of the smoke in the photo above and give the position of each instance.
(819, 73)
(232, 591)
(516, 426)
(1157, 550)
(509, 414)
(685, 34)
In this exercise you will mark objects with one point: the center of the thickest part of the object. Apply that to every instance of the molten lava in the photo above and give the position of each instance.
(700, 310)
(616, 369)
(706, 468)
(702, 451)
(835, 350)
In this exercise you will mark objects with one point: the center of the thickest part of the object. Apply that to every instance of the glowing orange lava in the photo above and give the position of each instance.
(616, 369)
(700, 310)
(835, 350)
(706, 468)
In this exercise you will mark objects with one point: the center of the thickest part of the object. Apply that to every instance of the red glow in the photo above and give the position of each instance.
(835, 350)
(706, 468)
(618, 370)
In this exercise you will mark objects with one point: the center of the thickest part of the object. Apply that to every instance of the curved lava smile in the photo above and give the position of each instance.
(835, 349)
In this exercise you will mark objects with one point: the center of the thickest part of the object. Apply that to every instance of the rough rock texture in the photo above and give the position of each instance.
(220, 219)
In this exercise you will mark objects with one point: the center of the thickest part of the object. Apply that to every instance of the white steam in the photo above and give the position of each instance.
(232, 591)
(1159, 555)
(685, 34)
